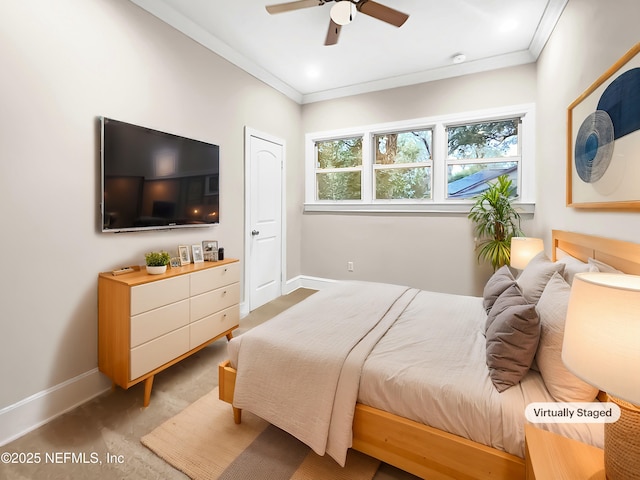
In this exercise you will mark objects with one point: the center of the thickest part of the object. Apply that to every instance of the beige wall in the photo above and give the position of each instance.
(590, 37)
(64, 64)
(429, 251)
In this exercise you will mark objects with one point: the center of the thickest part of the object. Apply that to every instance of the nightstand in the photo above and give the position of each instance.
(552, 456)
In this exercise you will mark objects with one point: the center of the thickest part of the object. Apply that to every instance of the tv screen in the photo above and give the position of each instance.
(156, 180)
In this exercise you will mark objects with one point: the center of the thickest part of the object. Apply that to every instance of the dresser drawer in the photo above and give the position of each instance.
(213, 278)
(211, 302)
(159, 351)
(213, 325)
(157, 294)
(158, 322)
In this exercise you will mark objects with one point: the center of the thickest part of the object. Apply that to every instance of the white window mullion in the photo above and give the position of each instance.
(439, 169)
(368, 181)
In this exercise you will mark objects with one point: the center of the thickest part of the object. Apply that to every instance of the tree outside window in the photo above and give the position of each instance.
(402, 168)
(339, 169)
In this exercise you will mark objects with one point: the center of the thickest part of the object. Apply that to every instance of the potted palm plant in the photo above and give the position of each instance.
(157, 262)
(496, 221)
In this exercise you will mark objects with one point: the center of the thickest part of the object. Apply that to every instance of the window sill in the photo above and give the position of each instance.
(525, 209)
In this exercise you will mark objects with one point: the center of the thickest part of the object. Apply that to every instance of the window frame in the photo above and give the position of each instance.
(439, 203)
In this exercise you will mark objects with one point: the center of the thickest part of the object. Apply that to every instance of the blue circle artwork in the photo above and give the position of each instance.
(617, 115)
(594, 146)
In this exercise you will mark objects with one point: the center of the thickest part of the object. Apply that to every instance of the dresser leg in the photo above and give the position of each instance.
(229, 336)
(148, 383)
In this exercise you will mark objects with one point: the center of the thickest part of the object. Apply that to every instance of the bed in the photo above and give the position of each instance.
(363, 382)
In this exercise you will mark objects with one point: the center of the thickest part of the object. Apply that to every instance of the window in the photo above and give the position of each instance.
(402, 166)
(431, 164)
(478, 153)
(339, 169)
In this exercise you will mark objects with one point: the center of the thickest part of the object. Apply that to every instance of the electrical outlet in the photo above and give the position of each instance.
(350, 266)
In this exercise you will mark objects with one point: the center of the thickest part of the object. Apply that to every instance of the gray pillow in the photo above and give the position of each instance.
(496, 285)
(512, 340)
(510, 297)
(536, 274)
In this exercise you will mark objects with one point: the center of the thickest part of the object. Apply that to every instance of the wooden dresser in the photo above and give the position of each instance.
(147, 323)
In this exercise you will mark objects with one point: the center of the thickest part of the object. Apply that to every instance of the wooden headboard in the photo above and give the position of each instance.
(624, 256)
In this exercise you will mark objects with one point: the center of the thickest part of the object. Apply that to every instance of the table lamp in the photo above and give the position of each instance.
(602, 347)
(523, 249)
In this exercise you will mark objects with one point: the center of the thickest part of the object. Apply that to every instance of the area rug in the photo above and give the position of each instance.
(204, 443)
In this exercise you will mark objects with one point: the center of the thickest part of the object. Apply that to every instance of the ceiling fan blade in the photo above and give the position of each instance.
(287, 7)
(382, 12)
(333, 33)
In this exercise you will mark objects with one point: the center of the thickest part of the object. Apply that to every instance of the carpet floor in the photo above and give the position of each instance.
(100, 439)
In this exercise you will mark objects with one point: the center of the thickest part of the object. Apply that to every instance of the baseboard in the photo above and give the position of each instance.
(305, 281)
(42, 407)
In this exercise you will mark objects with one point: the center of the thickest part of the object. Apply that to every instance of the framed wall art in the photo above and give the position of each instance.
(603, 148)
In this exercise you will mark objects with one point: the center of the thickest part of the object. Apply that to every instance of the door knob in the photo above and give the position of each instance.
(255, 232)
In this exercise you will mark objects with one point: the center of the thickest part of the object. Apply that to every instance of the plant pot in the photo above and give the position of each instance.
(156, 270)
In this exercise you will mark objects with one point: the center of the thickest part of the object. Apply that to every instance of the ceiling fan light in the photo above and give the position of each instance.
(343, 12)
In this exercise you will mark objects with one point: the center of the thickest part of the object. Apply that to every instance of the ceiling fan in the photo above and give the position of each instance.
(343, 12)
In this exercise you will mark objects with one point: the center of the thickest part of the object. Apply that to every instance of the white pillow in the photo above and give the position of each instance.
(572, 266)
(563, 385)
(535, 276)
(601, 266)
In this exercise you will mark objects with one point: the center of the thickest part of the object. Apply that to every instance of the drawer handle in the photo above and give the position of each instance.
(225, 270)
(224, 293)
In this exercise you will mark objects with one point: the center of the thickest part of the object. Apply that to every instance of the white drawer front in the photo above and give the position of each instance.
(156, 294)
(213, 278)
(214, 301)
(155, 353)
(213, 325)
(158, 322)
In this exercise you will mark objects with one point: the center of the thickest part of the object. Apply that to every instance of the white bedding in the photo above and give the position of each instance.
(428, 364)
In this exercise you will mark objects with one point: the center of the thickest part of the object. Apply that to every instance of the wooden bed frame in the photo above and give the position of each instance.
(431, 453)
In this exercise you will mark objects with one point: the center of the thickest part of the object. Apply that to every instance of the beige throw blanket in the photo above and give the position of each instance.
(301, 370)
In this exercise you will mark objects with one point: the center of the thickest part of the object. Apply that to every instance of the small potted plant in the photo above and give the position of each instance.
(157, 262)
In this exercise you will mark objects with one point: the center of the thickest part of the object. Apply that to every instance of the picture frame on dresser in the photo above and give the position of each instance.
(183, 253)
(198, 256)
(210, 250)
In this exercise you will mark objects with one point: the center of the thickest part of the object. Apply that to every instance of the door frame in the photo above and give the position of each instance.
(248, 133)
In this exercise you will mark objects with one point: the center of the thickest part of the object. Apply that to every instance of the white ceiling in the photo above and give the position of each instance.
(287, 50)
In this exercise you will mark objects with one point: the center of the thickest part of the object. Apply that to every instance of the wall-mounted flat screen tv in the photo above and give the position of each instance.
(156, 180)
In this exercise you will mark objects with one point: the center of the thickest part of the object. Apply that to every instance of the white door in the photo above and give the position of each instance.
(265, 167)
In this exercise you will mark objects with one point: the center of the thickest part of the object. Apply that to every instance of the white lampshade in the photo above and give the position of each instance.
(343, 12)
(523, 249)
(602, 333)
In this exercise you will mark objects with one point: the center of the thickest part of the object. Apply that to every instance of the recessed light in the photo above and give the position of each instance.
(508, 25)
(312, 71)
(459, 58)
